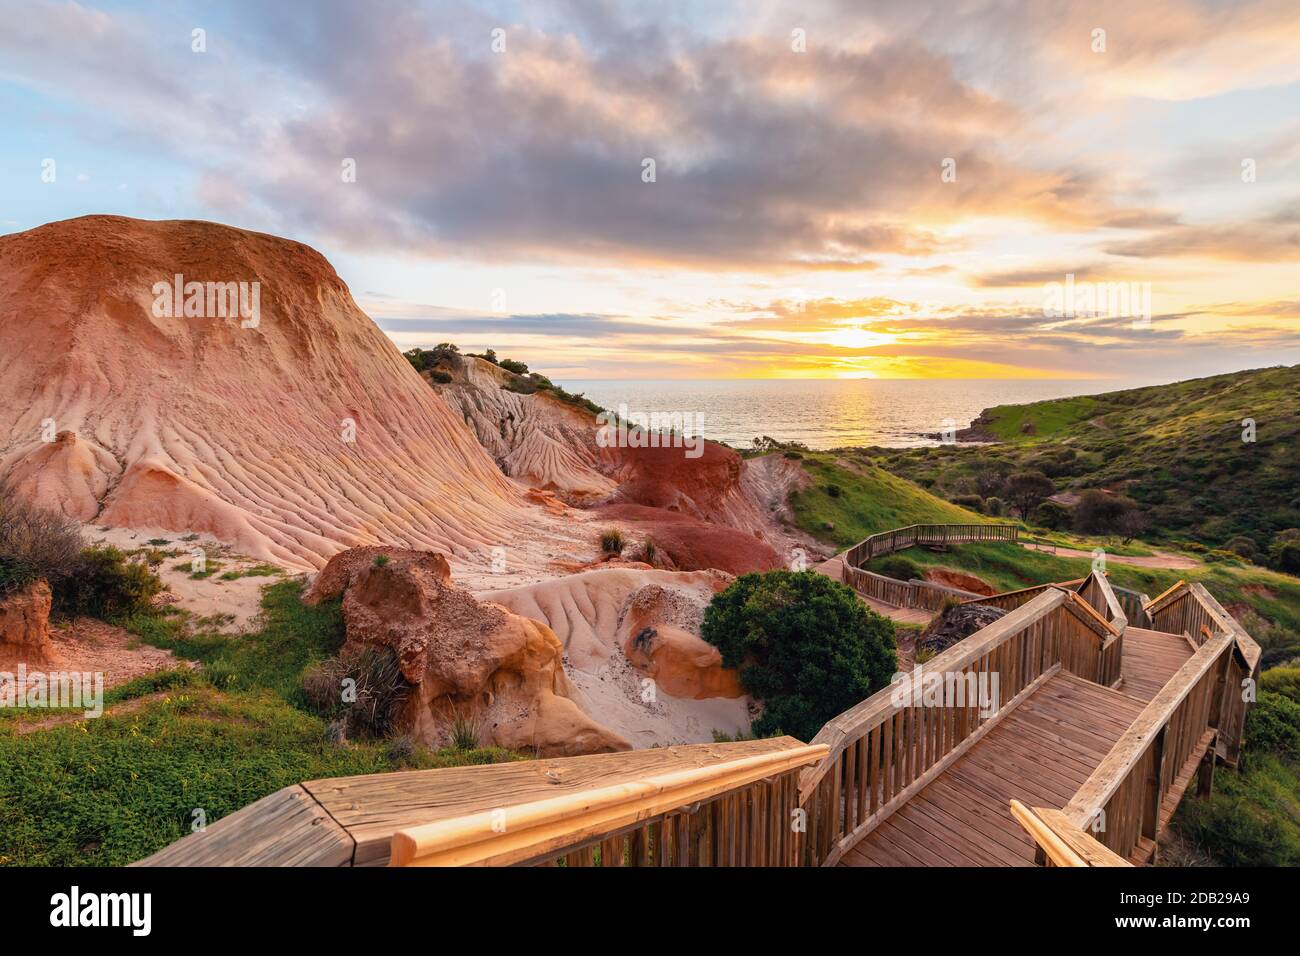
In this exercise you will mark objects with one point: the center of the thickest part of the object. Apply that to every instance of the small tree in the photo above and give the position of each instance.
(1052, 516)
(804, 644)
(1100, 513)
(1027, 490)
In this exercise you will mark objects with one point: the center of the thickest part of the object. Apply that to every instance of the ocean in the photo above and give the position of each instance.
(830, 413)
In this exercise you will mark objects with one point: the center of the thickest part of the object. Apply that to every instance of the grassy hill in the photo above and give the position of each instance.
(849, 498)
(1177, 450)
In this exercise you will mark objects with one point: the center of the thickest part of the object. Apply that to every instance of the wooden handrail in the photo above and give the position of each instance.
(532, 830)
(1063, 843)
(1128, 786)
(1160, 598)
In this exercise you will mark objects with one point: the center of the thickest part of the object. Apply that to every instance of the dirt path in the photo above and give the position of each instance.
(1161, 559)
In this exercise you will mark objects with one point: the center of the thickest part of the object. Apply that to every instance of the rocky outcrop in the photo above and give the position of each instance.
(25, 623)
(463, 658)
(632, 650)
(714, 509)
(955, 624)
(661, 644)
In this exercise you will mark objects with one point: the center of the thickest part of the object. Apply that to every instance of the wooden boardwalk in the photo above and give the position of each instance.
(1040, 755)
(1150, 659)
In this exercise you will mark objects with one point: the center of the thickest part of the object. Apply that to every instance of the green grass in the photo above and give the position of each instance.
(1047, 419)
(869, 500)
(108, 791)
(255, 571)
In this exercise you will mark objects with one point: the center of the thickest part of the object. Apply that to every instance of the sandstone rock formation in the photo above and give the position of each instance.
(289, 439)
(25, 624)
(633, 654)
(711, 511)
(462, 657)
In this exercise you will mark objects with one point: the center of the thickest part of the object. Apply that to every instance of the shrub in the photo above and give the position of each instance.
(1284, 553)
(1284, 681)
(1273, 725)
(381, 560)
(1101, 513)
(611, 541)
(896, 566)
(106, 584)
(35, 543)
(792, 455)
(995, 506)
(510, 365)
(378, 688)
(834, 491)
(464, 732)
(1243, 546)
(439, 376)
(973, 502)
(1052, 515)
(804, 645)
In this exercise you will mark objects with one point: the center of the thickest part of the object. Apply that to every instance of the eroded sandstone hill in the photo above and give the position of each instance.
(290, 437)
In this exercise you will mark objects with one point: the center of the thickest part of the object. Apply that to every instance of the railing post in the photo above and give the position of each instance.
(1154, 788)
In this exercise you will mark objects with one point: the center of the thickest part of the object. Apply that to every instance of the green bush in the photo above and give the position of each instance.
(510, 365)
(973, 502)
(804, 645)
(1284, 681)
(1052, 516)
(1273, 725)
(1284, 553)
(439, 376)
(108, 585)
(896, 566)
(1243, 546)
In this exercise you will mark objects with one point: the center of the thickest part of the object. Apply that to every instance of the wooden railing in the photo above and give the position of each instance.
(738, 813)
(1191, 610)
(1010, 600)
(915, 593)
(1092, 641)
(898, 539)
(1060, 842)
(888, 747)
(1134, 605)
(1123, 801)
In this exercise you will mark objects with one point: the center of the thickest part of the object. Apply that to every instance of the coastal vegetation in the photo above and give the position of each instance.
(804, 644)
(1209, 463)
(181, 748)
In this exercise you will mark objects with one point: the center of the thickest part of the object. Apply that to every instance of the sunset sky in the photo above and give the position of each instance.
(799, 224)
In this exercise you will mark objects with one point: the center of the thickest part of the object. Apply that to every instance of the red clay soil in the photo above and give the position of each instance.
(666, 478)
(695, 545)
(959, 579)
